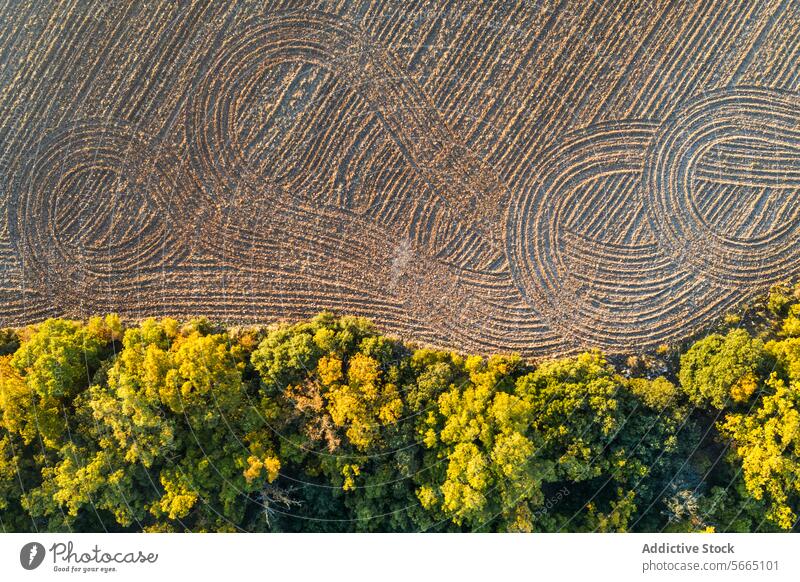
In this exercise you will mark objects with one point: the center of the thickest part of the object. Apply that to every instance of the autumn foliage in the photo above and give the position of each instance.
(327, 425)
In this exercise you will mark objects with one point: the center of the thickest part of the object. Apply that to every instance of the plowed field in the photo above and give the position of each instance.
(529, 176)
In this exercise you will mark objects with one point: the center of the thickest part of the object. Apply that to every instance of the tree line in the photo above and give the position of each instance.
(329, 425)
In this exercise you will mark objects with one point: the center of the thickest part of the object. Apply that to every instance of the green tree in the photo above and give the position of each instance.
(723, 371)
(768, 444)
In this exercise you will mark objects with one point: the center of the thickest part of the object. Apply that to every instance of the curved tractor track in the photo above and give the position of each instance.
(467, 194)
(71, 217)
(485, 179)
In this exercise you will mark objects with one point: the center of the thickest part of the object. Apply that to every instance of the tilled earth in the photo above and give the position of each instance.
(523, 176)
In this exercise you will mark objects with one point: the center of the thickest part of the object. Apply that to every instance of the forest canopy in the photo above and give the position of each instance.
(329, 425)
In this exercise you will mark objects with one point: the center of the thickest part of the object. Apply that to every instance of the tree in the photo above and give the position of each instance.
(169, 439)
(768, 444)
(723, 370)
(327, 425)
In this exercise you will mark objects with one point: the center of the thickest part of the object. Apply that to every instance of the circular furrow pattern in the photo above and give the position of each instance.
(591, 289)
(462, 221)
(318, 173)
(442, 287)
(637, 231)
(682, 156)
(94, 210)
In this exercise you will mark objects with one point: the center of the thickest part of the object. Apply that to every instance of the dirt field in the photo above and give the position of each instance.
(528, 176)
